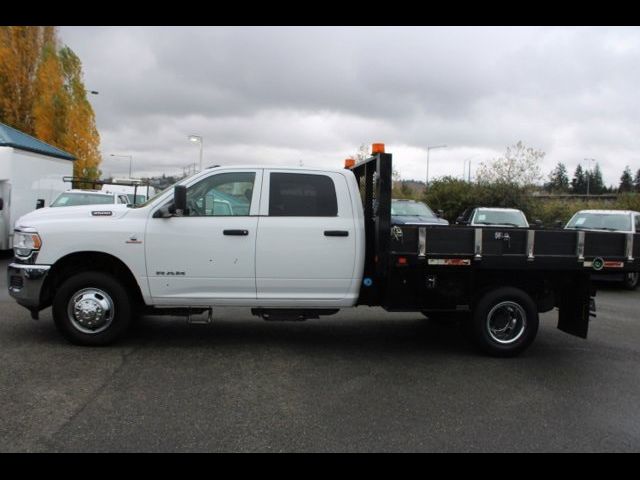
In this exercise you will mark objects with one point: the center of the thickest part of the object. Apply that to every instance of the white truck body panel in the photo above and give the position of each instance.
(26, 177)
(187, 261)
(295, 260)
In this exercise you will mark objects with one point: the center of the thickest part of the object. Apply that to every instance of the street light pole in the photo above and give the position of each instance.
(200, 140)
(589, 172)
(130, 157)
(429, 148)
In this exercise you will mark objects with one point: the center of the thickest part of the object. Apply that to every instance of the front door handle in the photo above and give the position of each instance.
(336, 233)
(242, 233)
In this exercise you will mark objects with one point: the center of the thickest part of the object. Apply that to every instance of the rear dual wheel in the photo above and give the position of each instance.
(504, 322)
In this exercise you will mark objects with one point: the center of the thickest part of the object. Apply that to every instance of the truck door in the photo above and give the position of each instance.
(306, 246)
(209, 254)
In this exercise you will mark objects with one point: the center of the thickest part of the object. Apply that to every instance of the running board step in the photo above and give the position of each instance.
(291, 314)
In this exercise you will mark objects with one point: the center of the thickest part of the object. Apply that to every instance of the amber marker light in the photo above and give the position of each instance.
(377, 148)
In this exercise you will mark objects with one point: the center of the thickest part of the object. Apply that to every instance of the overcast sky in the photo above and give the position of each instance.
(313, 95)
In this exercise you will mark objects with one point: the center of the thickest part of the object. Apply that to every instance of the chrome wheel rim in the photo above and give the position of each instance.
(506, 322)
(90, 310)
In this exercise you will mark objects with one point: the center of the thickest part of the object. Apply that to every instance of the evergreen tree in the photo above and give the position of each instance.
(579, 181)
(626, 181)
(636, 181)
(595, 182)
(558, 179)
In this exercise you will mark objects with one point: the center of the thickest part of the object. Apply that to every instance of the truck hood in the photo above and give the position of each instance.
(90, 212)
(417, 220)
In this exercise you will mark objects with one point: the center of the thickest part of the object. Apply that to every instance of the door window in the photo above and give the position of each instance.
(302, 195)
(224, 194)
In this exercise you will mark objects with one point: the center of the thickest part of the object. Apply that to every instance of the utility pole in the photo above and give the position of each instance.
(589, 172)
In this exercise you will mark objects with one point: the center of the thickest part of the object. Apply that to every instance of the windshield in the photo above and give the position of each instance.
(601, 221)
(412, 209)
(500, 217)
(139, 198)
(70, 199)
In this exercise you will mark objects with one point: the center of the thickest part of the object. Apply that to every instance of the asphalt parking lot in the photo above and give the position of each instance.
(363, 380)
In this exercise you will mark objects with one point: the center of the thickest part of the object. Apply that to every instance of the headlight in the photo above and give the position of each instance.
(25, 243)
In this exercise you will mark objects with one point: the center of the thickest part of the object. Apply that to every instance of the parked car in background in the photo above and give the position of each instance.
(626, 221)
(493, 217)
(411, 212)
(74, 197)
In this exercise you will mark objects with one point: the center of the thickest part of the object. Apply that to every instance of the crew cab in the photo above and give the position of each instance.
(297, 243)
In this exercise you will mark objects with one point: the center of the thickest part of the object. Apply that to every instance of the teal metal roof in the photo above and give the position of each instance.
(10, 137)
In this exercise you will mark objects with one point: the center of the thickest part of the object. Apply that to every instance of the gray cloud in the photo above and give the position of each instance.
(284, 95)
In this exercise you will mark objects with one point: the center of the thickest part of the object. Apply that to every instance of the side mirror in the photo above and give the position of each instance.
(538, 223)
(163, 212)
(39, 203)
(439, 213)
(1, 204)
(558, 223)
(460, 220)
(180, 200)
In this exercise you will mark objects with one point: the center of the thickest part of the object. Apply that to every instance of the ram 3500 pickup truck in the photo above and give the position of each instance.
(296, 243)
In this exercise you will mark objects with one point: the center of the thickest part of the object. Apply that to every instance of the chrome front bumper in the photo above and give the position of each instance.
(25, 283)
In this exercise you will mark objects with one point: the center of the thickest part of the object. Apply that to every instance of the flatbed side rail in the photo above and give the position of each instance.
(513, 248)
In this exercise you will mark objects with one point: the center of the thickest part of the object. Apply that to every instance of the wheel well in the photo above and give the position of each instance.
(537, 287)
(90, 261)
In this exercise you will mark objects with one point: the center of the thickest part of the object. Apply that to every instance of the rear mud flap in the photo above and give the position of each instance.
(576, 306)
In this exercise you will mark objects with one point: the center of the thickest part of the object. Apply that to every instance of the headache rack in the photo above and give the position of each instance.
(374, 177)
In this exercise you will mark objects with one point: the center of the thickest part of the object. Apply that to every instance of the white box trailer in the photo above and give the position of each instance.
(31, 173)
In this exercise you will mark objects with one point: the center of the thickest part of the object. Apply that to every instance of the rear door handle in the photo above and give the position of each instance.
(336, 233)
(242, 233)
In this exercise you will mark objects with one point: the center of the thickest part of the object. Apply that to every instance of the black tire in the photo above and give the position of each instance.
(506, 307)
(630, 281)
(95, 285)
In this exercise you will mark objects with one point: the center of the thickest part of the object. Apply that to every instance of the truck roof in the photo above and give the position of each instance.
(281, 167)
(625, 212)
(500, 209)
(80, 190)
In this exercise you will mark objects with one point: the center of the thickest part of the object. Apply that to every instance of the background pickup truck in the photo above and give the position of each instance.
(296, 243)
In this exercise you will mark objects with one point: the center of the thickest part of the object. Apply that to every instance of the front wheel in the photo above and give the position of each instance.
(92, 308)
(504, 322)
(630, 281)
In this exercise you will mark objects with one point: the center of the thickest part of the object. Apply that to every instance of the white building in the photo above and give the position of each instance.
(30, 170)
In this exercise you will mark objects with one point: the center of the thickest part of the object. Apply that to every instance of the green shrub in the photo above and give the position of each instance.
(453, 196)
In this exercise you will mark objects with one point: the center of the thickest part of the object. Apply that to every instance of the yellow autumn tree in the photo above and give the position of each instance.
(42, 93)
(51, 101)
(81, 135)
(20, 55)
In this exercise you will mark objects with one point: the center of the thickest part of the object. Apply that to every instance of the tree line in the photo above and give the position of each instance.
(514, 180)
(590, 181)
(42, 93)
